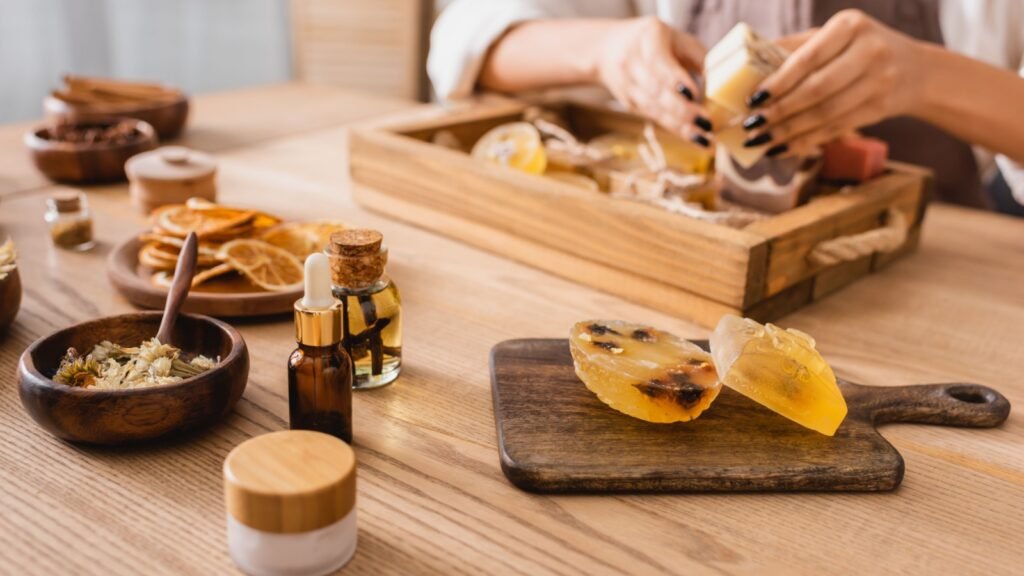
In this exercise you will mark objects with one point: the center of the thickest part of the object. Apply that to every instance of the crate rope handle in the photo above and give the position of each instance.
(845, 248)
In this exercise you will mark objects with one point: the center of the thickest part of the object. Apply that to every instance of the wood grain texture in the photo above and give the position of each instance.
(115, 417)
(432, 497)
(374, 45)
(555, 436)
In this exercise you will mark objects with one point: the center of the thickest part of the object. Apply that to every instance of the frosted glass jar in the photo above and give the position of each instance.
(291, 499)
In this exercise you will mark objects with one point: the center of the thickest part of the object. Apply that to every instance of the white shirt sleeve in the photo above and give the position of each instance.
(991, 31)
(466, 29)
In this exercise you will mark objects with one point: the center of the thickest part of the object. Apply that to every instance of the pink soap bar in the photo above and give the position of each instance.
(854, 158)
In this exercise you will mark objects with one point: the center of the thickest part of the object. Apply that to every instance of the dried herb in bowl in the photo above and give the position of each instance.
(113, 367)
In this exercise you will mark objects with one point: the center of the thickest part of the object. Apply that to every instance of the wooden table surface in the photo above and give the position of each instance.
(432, 498)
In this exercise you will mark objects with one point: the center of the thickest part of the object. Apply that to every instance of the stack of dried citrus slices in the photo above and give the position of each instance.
(258, 246)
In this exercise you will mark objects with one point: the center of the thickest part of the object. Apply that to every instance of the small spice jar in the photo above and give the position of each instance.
(170, 175)
(70, 221)
(291, 503)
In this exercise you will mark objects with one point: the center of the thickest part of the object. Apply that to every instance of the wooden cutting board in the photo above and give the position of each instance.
(556, 436)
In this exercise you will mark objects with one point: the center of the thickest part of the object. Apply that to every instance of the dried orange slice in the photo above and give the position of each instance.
(516, 145)
(204, 249)
(302, 238)
(260, 221)
(164, 278)
(642, 372)
(265, 265)
(179, 220)
(150, 255)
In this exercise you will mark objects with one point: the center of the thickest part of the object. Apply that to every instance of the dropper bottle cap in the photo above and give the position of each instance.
(317, 313)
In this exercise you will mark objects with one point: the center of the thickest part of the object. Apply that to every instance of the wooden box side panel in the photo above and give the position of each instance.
(792, 235)
(632, 287)
(701, 258)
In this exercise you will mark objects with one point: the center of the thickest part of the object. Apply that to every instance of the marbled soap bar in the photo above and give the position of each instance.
(854, 159)
(770, 184)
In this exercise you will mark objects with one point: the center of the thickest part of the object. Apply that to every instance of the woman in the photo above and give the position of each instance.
(873, 65)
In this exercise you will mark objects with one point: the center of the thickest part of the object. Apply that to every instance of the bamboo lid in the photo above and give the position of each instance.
(290, 481)
(171, 163)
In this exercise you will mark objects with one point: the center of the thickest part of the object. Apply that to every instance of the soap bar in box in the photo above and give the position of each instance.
(771, 184)
(854, 159)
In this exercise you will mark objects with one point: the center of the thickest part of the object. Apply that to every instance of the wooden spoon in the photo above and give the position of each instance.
(182, 283)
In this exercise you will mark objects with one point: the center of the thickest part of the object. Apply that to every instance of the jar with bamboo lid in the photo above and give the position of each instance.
(170, 175)
(291, 503)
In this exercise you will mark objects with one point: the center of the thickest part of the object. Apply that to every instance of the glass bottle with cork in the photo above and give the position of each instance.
(70, 221)
(319, 370)
(371, 306)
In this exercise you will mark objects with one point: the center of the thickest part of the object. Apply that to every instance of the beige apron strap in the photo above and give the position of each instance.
(887, 238)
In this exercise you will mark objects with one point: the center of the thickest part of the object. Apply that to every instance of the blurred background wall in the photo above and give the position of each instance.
(209, 45)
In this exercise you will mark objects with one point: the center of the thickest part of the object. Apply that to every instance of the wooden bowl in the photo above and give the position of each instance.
(10, 298)
(140, 414)
(230, 298)
(83, 163)
(167, 118)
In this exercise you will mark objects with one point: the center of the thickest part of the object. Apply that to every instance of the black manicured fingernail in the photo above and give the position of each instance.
(755, 121)
(703, 122)
(776, 150)
(685, 91)
(758, 98)
(764, 138)
(699, 139)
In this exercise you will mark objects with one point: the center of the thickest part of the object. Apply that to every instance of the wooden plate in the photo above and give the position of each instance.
(229, 297)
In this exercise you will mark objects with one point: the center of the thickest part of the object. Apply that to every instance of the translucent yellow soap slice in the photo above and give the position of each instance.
(781, 370)
(643, 372)
(516, 145)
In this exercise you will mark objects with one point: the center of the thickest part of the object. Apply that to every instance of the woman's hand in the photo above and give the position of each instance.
(853, 72)
(644, 63)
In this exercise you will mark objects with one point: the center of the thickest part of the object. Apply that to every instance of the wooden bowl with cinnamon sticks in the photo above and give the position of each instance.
(84, 99)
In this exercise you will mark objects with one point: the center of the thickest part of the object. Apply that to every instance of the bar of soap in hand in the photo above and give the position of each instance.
(737, 65)
(854, 159)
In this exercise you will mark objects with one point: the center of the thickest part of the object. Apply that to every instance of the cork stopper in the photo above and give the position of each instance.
(357, 258)
(67, 202)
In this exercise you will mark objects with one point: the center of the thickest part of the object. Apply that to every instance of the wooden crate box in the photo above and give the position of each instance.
(686, 267)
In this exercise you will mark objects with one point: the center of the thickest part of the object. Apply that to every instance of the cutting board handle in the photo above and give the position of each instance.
(950, 404)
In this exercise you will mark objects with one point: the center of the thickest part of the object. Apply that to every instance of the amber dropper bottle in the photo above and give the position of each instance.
(319, 370)
(371, 306)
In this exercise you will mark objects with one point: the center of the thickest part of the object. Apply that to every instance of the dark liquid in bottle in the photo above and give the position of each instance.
(320, 390)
